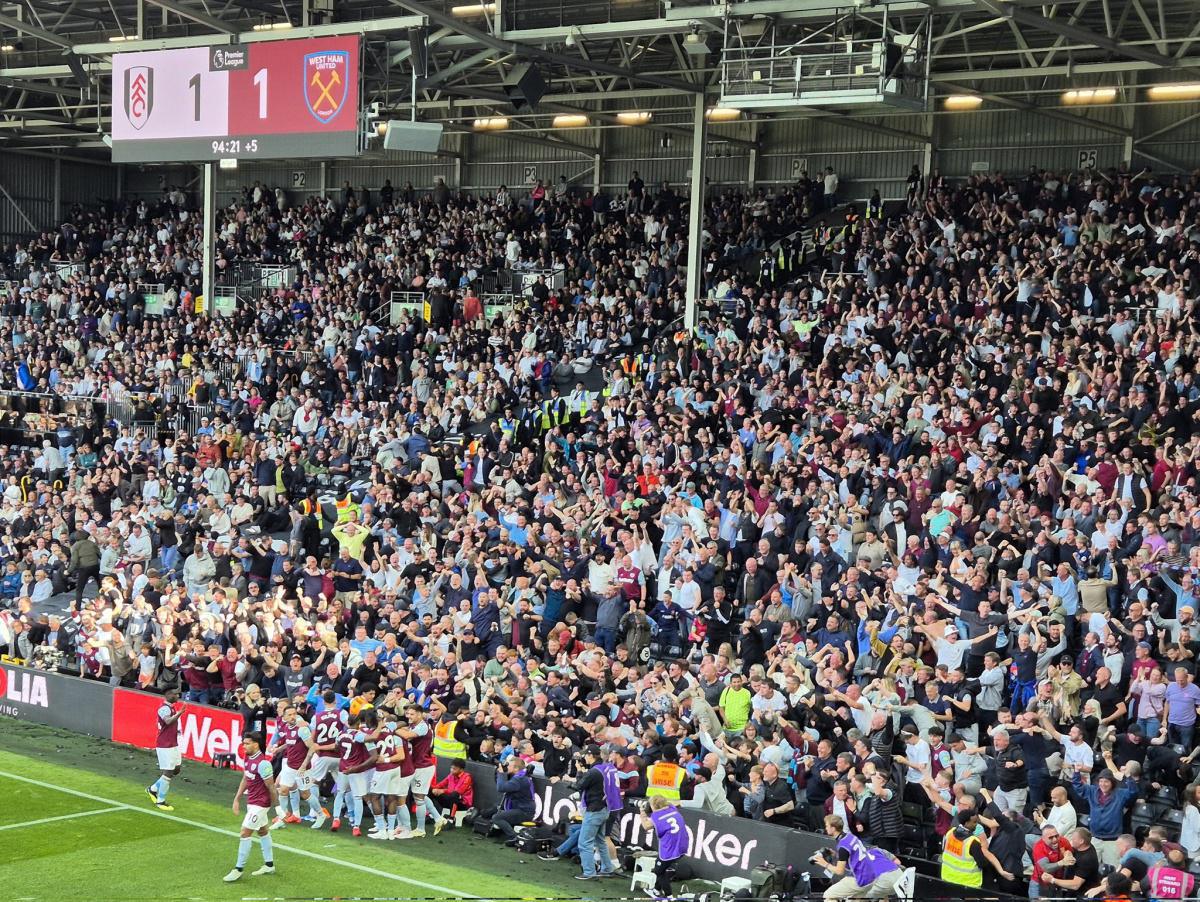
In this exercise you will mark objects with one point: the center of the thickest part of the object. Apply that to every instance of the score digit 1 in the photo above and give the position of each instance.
(260, 81)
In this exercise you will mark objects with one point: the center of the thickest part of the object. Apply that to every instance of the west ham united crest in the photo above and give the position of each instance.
(326, 83)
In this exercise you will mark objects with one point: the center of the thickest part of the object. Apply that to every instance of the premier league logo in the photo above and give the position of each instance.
(139, 95)
(326, 83)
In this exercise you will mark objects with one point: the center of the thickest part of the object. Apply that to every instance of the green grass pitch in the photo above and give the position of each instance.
(75, 824)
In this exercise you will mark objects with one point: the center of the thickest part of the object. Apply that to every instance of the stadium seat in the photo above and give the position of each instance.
(1142, 815)
(1173, 822)
(1167, 795)
(913, 813)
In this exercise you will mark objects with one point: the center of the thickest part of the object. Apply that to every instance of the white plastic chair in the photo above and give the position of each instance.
(906, 885)
(643, 871)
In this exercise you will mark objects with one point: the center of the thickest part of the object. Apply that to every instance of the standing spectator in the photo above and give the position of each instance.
(831, 183)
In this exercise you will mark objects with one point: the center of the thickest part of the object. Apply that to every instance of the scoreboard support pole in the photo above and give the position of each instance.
(695, 257)
(210, 225)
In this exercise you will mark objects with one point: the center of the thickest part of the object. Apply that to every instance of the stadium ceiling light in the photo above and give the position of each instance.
(473, 10)
(492, 124)
(1187, 91)
(272, 26)
(963, 102)
(635, 117)
(122, 38)
(7, 48)
(571, 120)
(722, 114)
(1089, 95)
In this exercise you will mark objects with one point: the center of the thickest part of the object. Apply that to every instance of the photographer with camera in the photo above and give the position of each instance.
(872, 872)
(594, 791)
(515, 785)
(668, 825)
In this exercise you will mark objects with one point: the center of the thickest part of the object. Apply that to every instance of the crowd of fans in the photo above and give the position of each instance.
(905, 532)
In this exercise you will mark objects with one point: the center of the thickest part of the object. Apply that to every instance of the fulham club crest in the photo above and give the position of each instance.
(139, 95)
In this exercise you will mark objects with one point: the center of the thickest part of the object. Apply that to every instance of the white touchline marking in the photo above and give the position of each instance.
(62, 817)
(211, 829)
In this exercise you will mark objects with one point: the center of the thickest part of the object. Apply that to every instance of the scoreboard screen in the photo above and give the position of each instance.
(264, 100)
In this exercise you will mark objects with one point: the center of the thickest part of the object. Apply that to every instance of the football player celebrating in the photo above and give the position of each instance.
(166, 744)
(258, 785)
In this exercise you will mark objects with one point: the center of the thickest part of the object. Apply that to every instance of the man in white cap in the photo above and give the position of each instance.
(951, 649)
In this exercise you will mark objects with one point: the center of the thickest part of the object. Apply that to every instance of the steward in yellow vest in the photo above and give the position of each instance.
(445, 742)
(665, 778)
(964, 852)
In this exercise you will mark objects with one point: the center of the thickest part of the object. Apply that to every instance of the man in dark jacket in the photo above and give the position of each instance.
(516, 798)
(594, 803)
(85, 563)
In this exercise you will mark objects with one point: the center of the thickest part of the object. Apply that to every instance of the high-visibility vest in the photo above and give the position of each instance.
(508, 428)
(444, 743)
(958, 866)
(665, 779)
(345, 507)
(307, 507)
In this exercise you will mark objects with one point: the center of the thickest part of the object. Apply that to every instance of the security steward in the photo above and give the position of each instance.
(965, 854)
(446, 741)
(665, 778)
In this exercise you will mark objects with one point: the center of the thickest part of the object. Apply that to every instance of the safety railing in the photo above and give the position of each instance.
(405, 302)
(224, 302)
(874, 66)
(500, 304)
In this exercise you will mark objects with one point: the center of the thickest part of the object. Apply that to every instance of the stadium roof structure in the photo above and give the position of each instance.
(1089, 62)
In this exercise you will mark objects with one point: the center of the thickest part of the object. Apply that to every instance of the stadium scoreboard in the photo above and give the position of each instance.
(258, 101)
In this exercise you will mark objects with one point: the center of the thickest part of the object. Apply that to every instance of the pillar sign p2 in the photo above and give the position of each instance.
(266, 100)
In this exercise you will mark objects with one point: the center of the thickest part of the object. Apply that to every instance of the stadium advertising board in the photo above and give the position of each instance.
(40, 696)
(204, 732)
(716, 844)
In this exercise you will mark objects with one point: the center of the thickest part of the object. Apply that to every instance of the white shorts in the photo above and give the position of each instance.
(423, 780)
(320, 767)
(359, 783)
(293, 778)
(169, 759)
(400, 785)
(383, 781)
(256, 817)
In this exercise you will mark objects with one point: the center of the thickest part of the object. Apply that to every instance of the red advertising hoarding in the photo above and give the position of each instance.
(204, 732)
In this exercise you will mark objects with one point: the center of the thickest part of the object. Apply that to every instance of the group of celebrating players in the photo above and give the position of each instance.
(374, 758)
